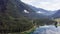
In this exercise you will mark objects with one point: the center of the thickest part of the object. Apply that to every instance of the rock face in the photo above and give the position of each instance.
(3, 4)
(16, 9)
(57, 14)
(12, 7)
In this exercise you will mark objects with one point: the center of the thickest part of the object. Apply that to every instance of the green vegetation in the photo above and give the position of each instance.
(29, 31)
(12, 21)
(45, 21)
(14, 24)
(57, 20)
(11, 24)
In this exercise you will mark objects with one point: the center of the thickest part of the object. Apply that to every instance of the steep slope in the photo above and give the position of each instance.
(45, 12)
(57, 14)
(12, 18)
(16, 8)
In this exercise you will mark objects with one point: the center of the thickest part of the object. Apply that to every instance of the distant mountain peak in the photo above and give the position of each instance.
(57, 14)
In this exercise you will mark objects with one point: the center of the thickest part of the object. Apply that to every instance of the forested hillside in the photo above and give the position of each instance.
(12, 18)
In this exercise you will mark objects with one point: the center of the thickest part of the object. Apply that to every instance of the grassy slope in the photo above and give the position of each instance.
(58, 20)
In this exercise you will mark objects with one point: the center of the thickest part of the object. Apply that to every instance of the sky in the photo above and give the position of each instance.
(51, 5)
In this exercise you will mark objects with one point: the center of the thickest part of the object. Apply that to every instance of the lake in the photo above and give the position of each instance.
(47, 29)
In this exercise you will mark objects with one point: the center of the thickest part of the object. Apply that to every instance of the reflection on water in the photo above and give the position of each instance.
(47, 30)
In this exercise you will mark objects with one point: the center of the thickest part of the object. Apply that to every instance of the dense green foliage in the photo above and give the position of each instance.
(15, 24)
(13, 21)
(45, 21)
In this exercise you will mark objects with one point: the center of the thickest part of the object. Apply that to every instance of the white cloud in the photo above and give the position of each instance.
(45, 4)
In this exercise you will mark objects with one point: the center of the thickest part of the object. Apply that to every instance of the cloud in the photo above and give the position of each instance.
(45, 4)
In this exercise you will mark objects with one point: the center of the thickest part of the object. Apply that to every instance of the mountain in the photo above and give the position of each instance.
(12, 18)
(57, 14)
(45, 12)
(3, 5)
(15, 8)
